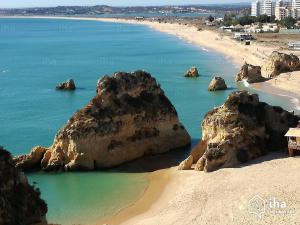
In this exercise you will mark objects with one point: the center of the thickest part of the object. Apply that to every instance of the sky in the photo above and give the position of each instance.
(46, 3)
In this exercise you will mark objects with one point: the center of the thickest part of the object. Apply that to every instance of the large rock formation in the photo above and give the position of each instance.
(129, 117)
(280, 63)
(243, 128)
(20, 203)
(192, 72)
(250, 73)
(217, 83)
(68, 85)
(31, 161)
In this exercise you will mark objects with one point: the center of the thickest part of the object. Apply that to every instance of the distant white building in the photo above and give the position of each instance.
(255, 8)
(262, 7)
(270, 27)
(266, 8)
(219, 19)
(280, 8)
(296, 9)
(288, 8)
(296, 4)
(254, 28)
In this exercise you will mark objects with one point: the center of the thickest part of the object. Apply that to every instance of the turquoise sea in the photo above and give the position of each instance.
(37, 54)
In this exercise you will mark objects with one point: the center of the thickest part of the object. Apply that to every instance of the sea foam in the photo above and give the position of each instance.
(294, 101)
(245, 83)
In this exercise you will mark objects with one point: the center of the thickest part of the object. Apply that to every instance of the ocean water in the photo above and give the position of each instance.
(150, 15)
(37, 54)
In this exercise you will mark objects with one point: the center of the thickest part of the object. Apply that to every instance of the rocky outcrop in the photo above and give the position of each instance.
(68, 85)
(250, 73)
(242, 129)
(186, 164)
(192, 72)
(129, 117)
(217, 83)
(20, 203)
(31, 161)
(280, 63)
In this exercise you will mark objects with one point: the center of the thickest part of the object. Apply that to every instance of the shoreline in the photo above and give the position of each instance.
(254, 54)
(158, 182)
(271, 87)
(193, 198)
(208, 39)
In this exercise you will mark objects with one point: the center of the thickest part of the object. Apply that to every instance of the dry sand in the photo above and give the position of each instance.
(223, 197)
(286, 84)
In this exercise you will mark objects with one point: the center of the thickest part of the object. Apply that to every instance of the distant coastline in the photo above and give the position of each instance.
(255, 54)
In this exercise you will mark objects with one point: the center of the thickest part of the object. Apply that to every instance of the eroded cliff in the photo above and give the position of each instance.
(20, 203)
(243, 128)
(129, 117)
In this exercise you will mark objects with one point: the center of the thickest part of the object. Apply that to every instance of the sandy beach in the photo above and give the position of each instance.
(255, 54)
(221, 197)
(224, 197)
(208, 39)
(158, 182)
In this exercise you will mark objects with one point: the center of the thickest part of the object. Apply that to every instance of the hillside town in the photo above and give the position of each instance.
(100, 10)
(276, 22)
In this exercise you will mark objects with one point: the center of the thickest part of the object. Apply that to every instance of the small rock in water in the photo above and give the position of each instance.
(192, 72)
(217, 83)
(68, 85)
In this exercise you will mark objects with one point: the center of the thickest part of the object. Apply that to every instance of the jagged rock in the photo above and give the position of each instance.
(217, 83)
(242, 129)
(186, 164)
(31, 161)
(68, 85)
(192, 72)
(129, 117)
(280, 63)
(20, 203)
(250, 73)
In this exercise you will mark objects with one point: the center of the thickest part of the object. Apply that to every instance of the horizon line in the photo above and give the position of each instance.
(130, 6)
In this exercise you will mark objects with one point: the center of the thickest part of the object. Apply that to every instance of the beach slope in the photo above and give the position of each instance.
(224, 196)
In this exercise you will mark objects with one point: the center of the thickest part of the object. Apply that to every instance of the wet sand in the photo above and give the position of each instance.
(158, 181)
